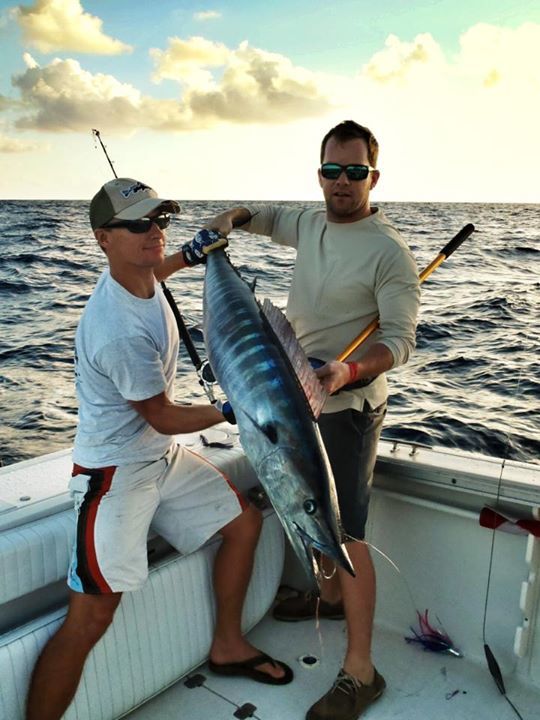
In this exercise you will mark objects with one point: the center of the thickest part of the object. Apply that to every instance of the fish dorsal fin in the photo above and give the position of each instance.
(313, 390)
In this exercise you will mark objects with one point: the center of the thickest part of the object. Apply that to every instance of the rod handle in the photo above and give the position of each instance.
(456, 241)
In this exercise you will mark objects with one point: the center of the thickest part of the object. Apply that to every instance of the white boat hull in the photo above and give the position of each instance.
(423, 516)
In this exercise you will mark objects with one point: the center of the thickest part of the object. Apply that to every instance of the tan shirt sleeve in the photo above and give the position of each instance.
(279, 223)
(398, 298)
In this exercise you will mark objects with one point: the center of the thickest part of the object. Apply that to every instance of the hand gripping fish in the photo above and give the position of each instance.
(252, 350)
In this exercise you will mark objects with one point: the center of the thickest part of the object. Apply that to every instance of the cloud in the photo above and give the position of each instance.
(258, 86)
(493, 73)
(467, 112)
(494, 56)
(186, 61)
(399, 60)
(489, 55)
(7, 103)
(255, 86)
(56, 25)
(207, 15)
(63, 97)
(491, 85)
(5, 17)
(13, 145)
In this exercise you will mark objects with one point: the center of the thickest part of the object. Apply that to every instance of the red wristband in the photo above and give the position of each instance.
(353, 371)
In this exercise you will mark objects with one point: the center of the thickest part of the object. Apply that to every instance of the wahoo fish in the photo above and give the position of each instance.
(276, 398)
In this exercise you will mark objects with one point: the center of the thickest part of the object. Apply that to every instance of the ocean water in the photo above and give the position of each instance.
(473, 384)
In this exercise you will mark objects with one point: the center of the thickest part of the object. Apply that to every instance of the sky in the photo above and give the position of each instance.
(229, 100)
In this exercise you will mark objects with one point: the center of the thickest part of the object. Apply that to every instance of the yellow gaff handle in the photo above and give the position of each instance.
(445, 253)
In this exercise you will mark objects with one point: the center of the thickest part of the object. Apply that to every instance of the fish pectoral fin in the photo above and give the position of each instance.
(268, 429)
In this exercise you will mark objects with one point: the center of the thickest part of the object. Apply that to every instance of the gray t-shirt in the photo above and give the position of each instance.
(345, 275)
(125, 349)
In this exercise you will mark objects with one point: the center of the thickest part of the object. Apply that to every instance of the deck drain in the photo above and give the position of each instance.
(308, 661)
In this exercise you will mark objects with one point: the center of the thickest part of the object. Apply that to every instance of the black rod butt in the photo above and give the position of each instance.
(456, 241)
(494, 669)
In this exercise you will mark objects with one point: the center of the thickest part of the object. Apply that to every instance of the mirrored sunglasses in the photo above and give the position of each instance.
(143, 224)
(331, 171)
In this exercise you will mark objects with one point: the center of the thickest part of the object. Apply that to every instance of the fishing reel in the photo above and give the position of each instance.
(207, 380)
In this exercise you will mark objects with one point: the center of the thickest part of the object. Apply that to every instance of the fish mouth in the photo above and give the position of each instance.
(310, 542)
(333, 550)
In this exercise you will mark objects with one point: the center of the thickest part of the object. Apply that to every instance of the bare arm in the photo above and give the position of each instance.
(170, 265)
(334, 374)
(170, 419)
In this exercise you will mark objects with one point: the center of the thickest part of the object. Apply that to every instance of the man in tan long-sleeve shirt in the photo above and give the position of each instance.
(351, 266)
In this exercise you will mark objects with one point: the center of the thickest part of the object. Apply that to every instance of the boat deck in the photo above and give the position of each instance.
(432, 552)
(420, 684)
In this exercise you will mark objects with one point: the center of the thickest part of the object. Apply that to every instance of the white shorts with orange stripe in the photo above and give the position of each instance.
(182, 496)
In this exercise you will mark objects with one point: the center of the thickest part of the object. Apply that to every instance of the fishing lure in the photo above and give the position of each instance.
(432, 639)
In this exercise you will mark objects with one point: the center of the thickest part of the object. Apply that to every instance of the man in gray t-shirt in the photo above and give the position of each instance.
(128, 469)
(351, 267)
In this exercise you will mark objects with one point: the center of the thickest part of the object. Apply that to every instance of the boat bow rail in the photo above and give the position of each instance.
(460, 478)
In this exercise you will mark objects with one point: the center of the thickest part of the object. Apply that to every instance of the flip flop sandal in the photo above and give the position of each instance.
(248, 669)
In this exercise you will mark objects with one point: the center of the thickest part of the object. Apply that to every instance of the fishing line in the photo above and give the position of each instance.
(386, 557)
(396, 568)
(430, 638)
(493, 665)
(320, 565)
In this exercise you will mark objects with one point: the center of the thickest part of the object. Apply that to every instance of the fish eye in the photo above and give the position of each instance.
(270, 431)
(310, 506)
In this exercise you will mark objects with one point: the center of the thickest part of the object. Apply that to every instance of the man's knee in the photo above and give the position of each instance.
(253, 520)
(89, 616)
(247, 525)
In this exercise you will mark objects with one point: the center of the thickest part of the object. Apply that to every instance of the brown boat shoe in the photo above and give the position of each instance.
(304, 607)
(347, 698)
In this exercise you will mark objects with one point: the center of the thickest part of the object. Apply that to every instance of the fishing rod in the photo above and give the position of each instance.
(443, 255)
(95, 133)
(202, 367)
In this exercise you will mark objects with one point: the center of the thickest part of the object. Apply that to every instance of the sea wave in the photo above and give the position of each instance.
(473, 382)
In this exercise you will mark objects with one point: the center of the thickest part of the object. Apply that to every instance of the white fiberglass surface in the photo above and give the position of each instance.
(420, 684)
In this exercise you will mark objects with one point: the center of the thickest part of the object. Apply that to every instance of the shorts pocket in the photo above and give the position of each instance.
(78, 484)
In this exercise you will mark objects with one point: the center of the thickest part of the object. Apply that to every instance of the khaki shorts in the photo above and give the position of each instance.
(182, 496)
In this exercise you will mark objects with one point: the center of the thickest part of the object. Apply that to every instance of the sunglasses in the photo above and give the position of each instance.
(331, 171)
(143, 224)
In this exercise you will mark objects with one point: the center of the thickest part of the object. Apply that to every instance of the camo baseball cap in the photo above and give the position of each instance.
(126, 199)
